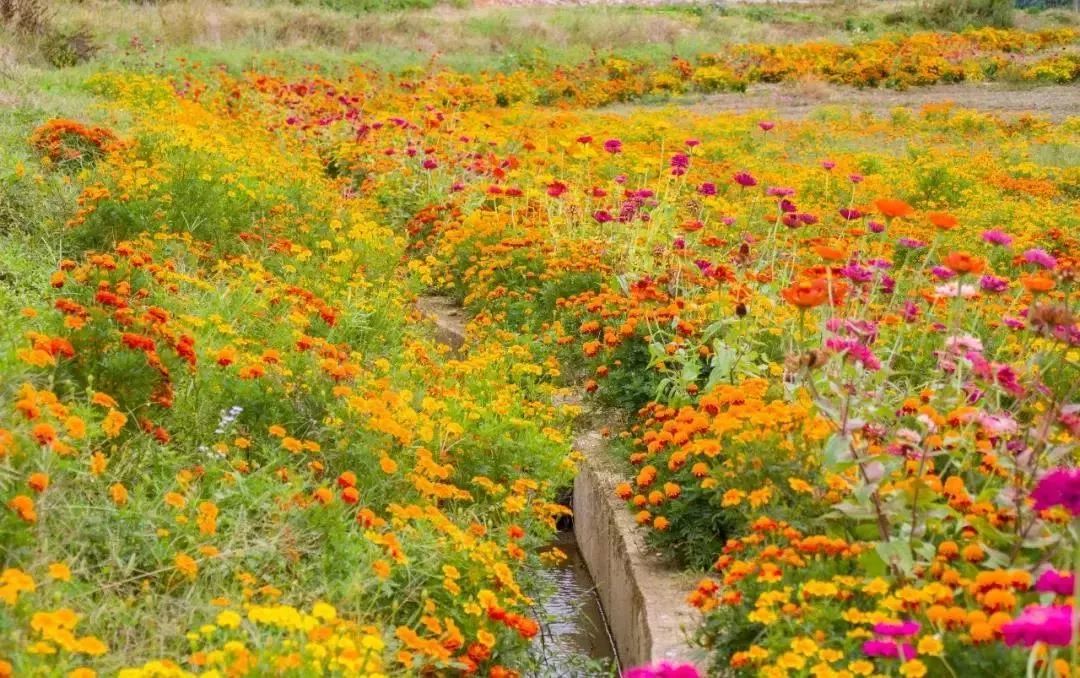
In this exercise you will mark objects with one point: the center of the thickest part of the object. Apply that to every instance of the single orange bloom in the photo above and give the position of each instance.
(891, 207)
(964, 262)
(830, 253)
(1037, 283)
(808, 294)
(944, 221)
(38, 482)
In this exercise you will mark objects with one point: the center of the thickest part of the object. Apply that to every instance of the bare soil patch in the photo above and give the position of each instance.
(799, 100)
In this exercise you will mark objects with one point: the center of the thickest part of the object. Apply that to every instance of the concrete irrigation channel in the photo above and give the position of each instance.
(613, 597)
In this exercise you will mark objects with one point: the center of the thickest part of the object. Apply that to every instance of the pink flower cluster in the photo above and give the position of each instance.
(1059, 487)
(664, 670)
(1050, 624)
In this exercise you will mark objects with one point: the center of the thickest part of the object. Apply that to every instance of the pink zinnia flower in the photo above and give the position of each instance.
(664, 670)
(744, 179)
(1052, 581)
(613, 146)
(997, 237)
(766, 125)
(1040, 258)
(1038, 624)
(888, 649)
(1059, 487)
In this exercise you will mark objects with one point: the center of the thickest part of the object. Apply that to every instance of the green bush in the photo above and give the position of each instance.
(64, 48)
(955, 15)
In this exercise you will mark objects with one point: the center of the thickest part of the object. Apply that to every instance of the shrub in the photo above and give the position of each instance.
(956, 15)
(63, 48)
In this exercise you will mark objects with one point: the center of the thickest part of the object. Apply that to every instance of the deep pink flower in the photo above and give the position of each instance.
(556, 188)
(707, 188)
(664, 670)
(827, 165)
(888, 649)
(613, 146)
(1040, 258)
(1052, 581)
(997, 237)
(602, 216)
(1059, 487)
(744, 179)
(1040, 624)
(766, 125)
(907, 628)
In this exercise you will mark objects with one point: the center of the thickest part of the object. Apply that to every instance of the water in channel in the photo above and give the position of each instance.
(574, 639)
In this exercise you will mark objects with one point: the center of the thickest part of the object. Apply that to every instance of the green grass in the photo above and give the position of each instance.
(412, 32)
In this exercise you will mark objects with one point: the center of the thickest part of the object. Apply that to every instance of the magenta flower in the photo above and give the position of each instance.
(997, 237)
(851, 214)
(664, 670)
(766, 125)
(1052, 581)
(613, 146)
(1040, 258)
(707, 188)
(992, 283)
(1059, 487)
(602, 216)
(888, 649)
(1038, 624)
(827, 165)
(556, 188)
(744, 179)
(907, 628)
(779, 191)
(692, 142)
(430, 164)
(876, 227)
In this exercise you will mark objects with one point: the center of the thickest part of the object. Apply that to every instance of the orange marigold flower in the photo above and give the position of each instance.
(38, 482)
(891, 207)
(23, 506)
(942, 220)
(964, 262)
(1037, 283)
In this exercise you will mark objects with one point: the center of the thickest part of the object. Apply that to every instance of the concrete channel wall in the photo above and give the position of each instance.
(644, 601)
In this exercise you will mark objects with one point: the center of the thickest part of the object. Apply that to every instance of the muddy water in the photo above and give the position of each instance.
(574, 638)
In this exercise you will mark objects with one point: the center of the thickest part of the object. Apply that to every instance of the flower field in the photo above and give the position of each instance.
(847, 349)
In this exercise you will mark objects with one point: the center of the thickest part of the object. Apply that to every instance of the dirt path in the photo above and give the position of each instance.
(638, 3)
(799, 100)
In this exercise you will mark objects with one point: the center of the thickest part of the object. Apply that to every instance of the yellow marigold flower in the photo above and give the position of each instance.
(861, 667)
(381, 568)
(59, 572)
(930, 645)
(324, 611)
(91, 646)
(913, 668)
(175, 500)
(800, 485)
(118, 493)
(186, 565)
(113, 423)
(791, 661)
(804, 646)
(227, 619)
(98, 462)
(732, 498)
(80, 673)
